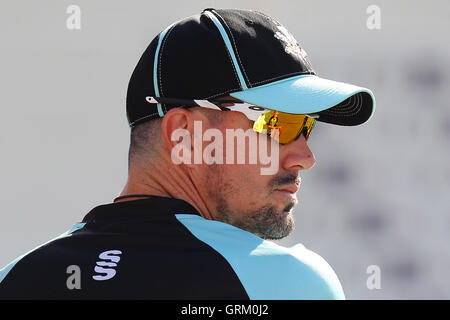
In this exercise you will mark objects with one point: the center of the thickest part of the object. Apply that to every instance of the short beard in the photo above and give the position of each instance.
(265, 222)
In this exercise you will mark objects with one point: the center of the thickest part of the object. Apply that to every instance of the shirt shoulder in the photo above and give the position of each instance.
(267, 270)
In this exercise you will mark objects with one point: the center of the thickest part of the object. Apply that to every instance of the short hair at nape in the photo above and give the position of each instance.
(144, 139)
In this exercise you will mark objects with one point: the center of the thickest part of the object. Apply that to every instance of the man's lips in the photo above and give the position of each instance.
(293, 188)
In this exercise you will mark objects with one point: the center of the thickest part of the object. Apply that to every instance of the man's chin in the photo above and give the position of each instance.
(278, 226)
(269, 222)
(283, 230)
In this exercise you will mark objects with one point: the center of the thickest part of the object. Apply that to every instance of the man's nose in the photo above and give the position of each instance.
(297, 155)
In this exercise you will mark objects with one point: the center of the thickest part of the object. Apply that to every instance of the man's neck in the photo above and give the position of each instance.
(164, 182)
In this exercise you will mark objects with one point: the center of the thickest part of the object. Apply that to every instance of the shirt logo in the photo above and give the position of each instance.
(105, 268)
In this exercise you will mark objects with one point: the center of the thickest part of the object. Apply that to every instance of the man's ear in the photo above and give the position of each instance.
(176, 123)
(182, 134)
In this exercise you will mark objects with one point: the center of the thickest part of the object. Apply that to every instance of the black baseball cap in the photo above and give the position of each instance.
(244, 54)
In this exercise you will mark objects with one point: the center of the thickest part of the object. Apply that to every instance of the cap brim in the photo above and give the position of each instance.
(334, 102)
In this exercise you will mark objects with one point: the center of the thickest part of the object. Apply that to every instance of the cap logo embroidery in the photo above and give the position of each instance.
(291, 45)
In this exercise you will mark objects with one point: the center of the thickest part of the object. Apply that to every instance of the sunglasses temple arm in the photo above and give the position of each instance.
(210, 104)
(174, 101)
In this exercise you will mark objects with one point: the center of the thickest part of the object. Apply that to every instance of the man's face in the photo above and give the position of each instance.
(238, 194)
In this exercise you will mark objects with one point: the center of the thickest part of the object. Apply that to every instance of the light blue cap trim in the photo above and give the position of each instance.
(4, 272)
(225, 38)
(155, 68)
(303, 94)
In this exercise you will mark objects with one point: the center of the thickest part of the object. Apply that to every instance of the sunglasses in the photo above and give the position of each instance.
(281, 126)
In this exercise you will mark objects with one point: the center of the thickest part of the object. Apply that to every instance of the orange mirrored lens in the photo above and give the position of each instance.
(284, 127)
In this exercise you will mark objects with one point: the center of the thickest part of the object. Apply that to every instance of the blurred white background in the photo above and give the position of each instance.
(378, 195)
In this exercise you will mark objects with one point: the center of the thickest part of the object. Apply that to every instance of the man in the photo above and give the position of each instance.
(189, 224)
